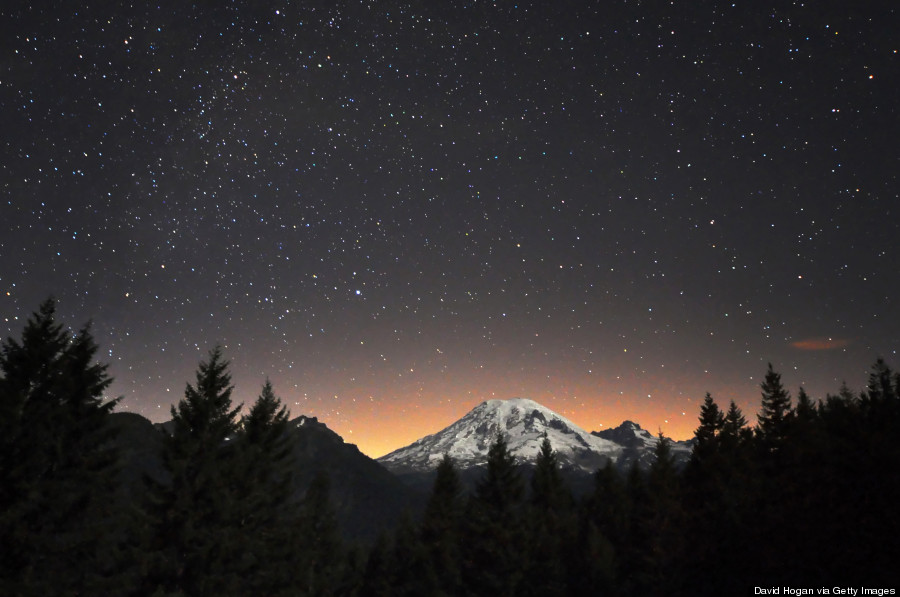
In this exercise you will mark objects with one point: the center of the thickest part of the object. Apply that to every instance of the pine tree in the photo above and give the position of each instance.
(662, 470)
(734, 429)
(501, 488)
(266, 424)
(321, 554)
(444, 506)
(775, 484)
(631, 554)
(610, 505)
(440, 530)
(265, 510)
(805, 410)
(706, 455)
(494, 526)
(712, 420)
(549, 525)
(57, 464)
(707, 435)
(871, 482)
(193, 516)
(775, 412)
(880, 386)
(548, 490)
(659, 525)
(718, 503)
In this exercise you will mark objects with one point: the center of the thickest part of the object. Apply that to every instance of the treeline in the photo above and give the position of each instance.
(807, 497)
(220, 518)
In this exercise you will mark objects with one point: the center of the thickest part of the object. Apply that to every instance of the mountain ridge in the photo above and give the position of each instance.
(526, 423)
(366, 497)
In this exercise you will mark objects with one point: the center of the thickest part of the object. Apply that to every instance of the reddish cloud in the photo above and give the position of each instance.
(820, 343)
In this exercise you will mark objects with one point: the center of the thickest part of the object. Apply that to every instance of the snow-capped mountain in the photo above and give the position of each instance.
(628, 435)
(525, 424)
(639, 445)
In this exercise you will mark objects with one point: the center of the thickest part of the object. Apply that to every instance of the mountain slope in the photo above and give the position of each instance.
(367, 499)
(525, 424)
(639, 445)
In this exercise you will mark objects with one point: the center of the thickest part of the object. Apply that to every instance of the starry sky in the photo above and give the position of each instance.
(395, 211)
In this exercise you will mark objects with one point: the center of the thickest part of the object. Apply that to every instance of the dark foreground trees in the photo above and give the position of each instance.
(57, 464)
(493, 530)
(808, 497)
(804, 497)
(192, 544)
(224, 519)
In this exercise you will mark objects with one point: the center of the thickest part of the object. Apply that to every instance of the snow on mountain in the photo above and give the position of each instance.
(639, 445)
(629, 435)
(525, 424)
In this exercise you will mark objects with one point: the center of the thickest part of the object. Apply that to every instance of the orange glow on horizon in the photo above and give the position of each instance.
(380, 429)
(380, 413)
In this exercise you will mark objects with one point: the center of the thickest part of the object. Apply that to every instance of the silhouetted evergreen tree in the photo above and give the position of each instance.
(604, 529)
(440, 530)
(57, 462)
(264, 508)
(192, 513)
(875, 491)
(659, 525)
(548, 489)
(321, 558)
(770, 491)
(805, 409)
(712, 420)
(881, 384)
(703, 493)
(719, 502)
(775, 412)
(494, 534)
(632, 552)
(811, 491)
(734, 519)
(610, 504)
(550, 527)
(706, 436)
(823, 478)
(807, 498)
(734, 428)
(501, 489)
(774, 483)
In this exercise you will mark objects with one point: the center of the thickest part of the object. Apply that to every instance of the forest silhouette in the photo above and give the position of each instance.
(805, 498)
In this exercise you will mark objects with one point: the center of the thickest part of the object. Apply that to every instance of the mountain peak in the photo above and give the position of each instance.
(513, 402)
(524, 422)
(639, 444)
(629, 434)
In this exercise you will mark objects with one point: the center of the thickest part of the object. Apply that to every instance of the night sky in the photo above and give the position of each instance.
(396, 211)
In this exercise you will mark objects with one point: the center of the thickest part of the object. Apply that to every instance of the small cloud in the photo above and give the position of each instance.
(820, 343)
